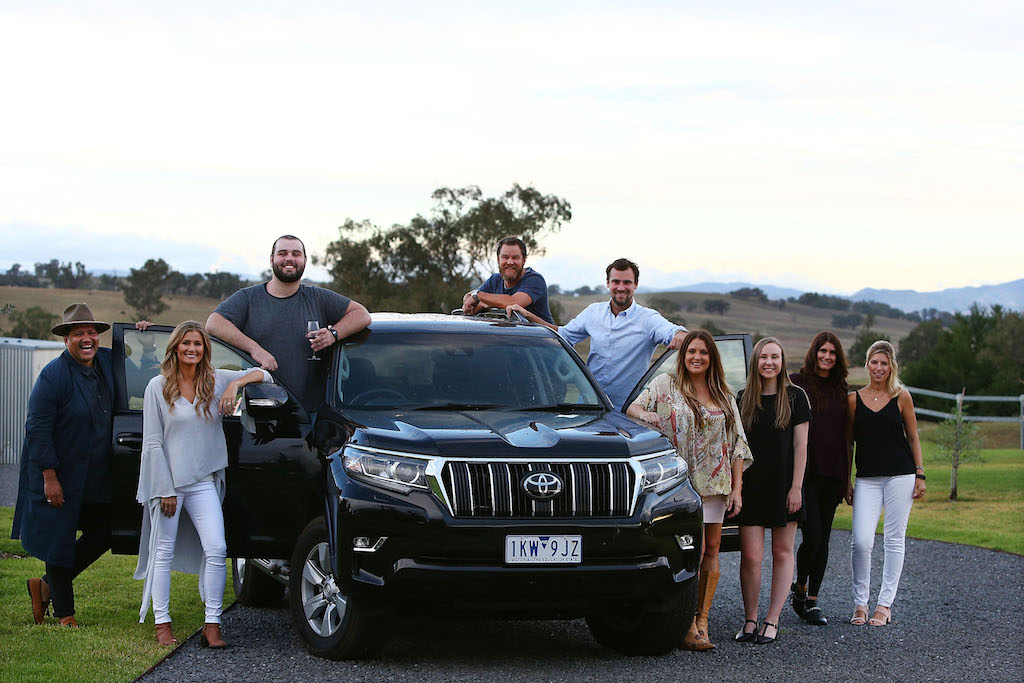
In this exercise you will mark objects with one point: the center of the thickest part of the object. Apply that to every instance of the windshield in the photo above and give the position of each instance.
(461, 372)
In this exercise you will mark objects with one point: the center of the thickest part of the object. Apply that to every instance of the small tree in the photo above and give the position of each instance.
(960, 441)
(32, 323)
(867, 336)
(142, 288)
(664, 305)
(4, 310)
(719, 306)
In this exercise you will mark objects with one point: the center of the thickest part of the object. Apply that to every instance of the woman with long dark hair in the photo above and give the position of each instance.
(183, 460)
(827, 481)
(775, 414)
(697, 409)
(890, 476)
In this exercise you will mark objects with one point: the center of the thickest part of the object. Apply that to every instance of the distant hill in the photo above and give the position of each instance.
(771, 291)
(957, 299)
(1008, 295)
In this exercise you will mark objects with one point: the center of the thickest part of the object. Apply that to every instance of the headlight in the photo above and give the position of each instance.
(395, 472)
(662, 472)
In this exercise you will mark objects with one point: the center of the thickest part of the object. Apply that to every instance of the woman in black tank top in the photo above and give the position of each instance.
(882, 424)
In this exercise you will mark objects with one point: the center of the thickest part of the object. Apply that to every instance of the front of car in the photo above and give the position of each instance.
(481, 470)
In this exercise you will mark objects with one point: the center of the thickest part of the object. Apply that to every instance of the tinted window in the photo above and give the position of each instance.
(144, 352)
(733, 362)
(422, 370)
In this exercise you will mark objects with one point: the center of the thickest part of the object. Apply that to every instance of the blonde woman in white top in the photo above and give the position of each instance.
(183, 460)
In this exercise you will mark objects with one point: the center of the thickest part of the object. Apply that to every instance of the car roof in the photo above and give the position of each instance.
(459, 324)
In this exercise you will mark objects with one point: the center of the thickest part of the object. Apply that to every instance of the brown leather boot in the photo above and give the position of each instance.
(69, 622)
(164, 634)
(706, 593)
(211, 637)
(691, 641)
(39, 593)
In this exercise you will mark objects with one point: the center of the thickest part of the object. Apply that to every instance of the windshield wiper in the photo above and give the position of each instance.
(460, 406)
(564, 407)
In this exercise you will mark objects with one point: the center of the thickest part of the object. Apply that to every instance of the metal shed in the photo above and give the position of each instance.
(21, 361)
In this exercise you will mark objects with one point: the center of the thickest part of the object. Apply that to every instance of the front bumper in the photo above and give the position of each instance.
(433, 561)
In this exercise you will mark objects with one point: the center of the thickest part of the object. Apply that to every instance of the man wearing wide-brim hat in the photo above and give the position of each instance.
(65, 464)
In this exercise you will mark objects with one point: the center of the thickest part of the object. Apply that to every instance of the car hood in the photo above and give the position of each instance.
(506, 433)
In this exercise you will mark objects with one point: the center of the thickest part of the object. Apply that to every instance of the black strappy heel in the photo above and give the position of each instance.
(762, 639)
(743, 636)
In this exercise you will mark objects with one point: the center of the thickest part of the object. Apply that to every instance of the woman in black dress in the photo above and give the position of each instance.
(827, 481)
(775, 415)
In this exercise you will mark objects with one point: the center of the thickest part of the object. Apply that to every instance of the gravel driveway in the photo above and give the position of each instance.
(957, 618)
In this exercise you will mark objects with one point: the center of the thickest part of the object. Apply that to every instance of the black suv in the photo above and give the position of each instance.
(459, 465)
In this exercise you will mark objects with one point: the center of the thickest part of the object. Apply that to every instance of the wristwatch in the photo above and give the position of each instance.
(333, 332)
(476, 295)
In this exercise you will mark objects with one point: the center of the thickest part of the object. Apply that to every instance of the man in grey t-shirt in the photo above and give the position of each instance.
(268, 321)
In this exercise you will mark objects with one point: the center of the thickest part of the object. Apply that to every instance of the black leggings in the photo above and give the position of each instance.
(94, 522)
(821, 498)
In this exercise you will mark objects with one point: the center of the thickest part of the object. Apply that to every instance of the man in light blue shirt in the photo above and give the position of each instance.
(623, 334)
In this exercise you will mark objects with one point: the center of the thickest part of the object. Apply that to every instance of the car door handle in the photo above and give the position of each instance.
(130, 440)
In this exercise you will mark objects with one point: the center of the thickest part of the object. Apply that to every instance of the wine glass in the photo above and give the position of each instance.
(312, 327)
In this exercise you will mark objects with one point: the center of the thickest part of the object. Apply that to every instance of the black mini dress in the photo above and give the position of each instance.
(767, 481)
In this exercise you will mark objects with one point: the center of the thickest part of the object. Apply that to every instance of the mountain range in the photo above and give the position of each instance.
(957, 299)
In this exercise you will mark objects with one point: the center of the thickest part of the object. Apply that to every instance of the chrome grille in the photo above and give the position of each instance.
(492, 489)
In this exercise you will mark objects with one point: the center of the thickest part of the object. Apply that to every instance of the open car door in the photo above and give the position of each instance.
(272, 473)
(735, 350)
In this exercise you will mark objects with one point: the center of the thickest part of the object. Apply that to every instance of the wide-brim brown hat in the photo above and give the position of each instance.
(78, 314)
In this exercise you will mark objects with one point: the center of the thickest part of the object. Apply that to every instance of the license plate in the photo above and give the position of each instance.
(543, 549)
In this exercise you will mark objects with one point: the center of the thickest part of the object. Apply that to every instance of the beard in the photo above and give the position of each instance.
(288, 277)
(622, 300)
(511, 275)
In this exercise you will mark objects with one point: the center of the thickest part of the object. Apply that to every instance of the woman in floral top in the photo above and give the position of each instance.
(698, 412)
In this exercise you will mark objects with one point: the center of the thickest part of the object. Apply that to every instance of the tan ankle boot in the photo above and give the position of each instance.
(164, 635)
(706, 593)
(211, 637)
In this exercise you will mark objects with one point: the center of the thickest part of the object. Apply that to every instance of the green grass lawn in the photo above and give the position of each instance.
(989, 511)
(111, 645)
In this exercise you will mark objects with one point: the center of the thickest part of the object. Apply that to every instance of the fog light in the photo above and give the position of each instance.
(364, 544)
(685, 541)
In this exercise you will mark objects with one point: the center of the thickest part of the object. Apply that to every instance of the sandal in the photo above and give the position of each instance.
(743, 636)
(881, 617)
(860, 615)
(762, 639)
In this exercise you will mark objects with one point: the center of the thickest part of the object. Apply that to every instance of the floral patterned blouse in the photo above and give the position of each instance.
(709, 451)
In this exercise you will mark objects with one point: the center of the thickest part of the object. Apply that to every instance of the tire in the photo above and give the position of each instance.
(253, 587)
(643, 632)
(331, 624)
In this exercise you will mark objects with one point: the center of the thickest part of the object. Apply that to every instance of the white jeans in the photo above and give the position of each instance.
(202, 504)
(871, 495)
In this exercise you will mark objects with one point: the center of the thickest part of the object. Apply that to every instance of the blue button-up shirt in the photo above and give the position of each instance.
(620, 345)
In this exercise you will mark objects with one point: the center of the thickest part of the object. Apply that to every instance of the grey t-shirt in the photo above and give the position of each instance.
(279, 326)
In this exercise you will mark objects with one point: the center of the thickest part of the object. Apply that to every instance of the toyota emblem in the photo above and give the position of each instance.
(542, 485)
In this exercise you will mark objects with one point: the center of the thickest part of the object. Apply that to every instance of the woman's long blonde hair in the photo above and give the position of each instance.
(205, 375)
(751, 401)
(717, 386)
(893, 385)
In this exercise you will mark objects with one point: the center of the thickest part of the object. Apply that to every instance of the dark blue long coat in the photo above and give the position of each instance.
(59, 430)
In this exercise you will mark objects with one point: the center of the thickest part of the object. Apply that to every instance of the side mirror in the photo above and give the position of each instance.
(265, 401)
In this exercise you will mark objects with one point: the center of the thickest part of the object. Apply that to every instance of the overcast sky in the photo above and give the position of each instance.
(826, 146)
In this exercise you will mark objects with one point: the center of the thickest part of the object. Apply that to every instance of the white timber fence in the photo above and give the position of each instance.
(973, 418)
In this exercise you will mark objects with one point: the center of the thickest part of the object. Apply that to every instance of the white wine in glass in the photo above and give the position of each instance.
(312, 327)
